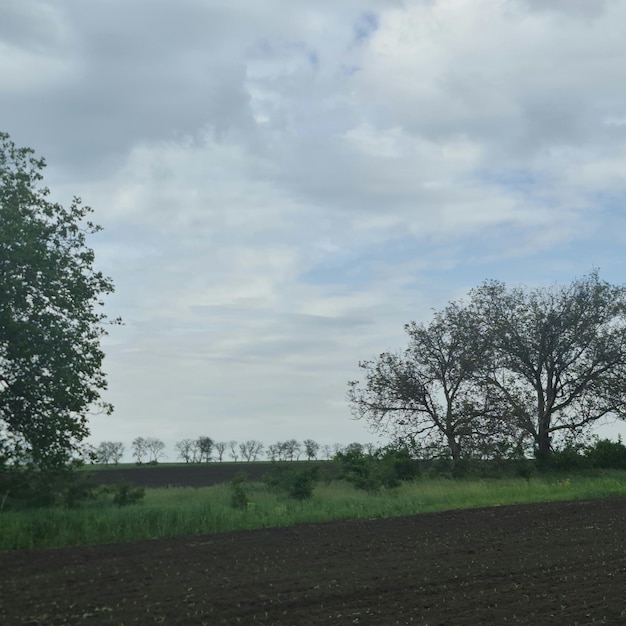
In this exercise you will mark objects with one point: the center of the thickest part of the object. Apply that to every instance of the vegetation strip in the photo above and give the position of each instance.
(170, 512)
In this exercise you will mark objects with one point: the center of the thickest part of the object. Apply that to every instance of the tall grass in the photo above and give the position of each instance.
(186, 511)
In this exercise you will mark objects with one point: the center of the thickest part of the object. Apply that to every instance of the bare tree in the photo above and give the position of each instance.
(185, 449)
(139, 449)
(155, 448)
(250, 449)
(195, 451)
(327, 451)
(117, 450)
(103, 452)
(273, 452)
(220, 448)
(337, 448)
(234, 451)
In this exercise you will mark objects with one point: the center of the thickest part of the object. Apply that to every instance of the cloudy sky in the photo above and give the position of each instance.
(283, 184)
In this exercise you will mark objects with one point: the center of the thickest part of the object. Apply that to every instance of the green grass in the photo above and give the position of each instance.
(186, 511)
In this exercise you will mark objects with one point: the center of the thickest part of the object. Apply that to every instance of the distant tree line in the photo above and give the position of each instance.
(204, 449)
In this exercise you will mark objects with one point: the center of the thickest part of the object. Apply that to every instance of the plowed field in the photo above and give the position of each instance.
(555, 563)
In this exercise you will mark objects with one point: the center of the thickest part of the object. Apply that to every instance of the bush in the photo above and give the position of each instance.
(28, 487)
(297, 482)
(370, 472)
(607, 454)
(399, 463)
(302, 484)
(78, 489)
(567, 458)
(358, 468)
(126, 494)
(238, 495)
(524, 469)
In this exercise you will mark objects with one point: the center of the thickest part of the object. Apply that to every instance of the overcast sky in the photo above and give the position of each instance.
(284, 184)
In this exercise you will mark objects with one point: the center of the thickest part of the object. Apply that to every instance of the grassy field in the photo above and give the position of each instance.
(184, 511)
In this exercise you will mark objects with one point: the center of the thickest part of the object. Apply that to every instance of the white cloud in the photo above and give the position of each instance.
(284, 185)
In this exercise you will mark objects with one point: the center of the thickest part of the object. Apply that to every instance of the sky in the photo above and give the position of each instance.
(284, 184)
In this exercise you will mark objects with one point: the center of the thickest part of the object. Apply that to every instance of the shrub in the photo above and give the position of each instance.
(524, 469)
(567, 458)
(126, 493)
(371, 472)
(29, 487)
(297, 482)
(238, 495)
(78, 489)
(302, 484)
(358, 468)
(607, 454)
(398, 464)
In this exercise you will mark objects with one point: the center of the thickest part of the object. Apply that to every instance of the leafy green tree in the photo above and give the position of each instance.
(557, 361)
(51, 322)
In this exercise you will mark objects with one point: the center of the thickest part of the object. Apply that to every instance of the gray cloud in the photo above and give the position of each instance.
(284, 185)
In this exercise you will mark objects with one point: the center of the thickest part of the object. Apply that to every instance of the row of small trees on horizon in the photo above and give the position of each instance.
(204, 449)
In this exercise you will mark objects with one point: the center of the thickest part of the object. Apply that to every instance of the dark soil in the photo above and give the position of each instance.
(192, 475)
(554, 563)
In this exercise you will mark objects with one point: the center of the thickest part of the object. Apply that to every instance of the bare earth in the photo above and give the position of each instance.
(555, 563)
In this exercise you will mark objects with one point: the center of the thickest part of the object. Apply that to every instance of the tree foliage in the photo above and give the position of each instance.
(187, 450)
(140, 449)
(429, 395)
(204, 447)
(376, 469)
(251, 449)
(220, 449)
(510, 368)
(110, 451)
(51, 321)
(311, 448)
(558, 355)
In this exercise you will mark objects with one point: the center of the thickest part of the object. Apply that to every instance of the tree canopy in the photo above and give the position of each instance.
(509, 368)
(558, 355)
(51, 319)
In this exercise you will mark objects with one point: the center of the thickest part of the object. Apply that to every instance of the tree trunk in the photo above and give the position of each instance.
(544, 445)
